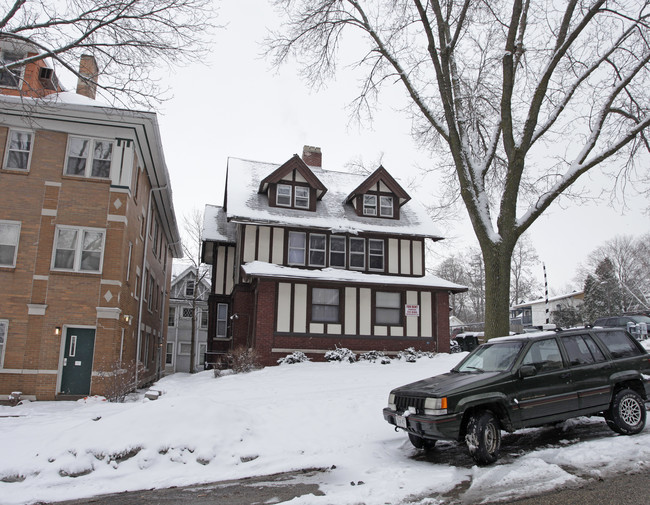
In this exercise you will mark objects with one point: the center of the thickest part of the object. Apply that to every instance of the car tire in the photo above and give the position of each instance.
(483, 437)
(626, 414)
(421, 443)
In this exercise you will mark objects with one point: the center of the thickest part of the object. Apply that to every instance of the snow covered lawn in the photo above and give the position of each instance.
(325, 415)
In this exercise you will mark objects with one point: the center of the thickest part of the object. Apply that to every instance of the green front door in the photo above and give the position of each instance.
(77, 361)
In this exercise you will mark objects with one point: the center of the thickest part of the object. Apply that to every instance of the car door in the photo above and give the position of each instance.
(590, 371)
(548, 394)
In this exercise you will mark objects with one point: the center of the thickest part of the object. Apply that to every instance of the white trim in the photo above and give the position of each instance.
(76, 267)
(117, 218)
(108, 312)
(120, 190)
(25, 371)
(48, 212)
(29, 155)
(53, 183)
(4, 322)
(36, 309)
(277, 194)
(40, 277)
(90, 157)
(19, 225)
(111, 282)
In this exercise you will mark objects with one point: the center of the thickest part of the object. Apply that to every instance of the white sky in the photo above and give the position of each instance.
(239, 106)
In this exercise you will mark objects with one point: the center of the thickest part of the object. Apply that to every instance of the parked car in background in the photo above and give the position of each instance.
(523, 381)
(637, 325)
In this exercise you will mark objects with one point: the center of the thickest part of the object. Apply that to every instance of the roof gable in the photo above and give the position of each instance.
(294, 163)
(380, 175)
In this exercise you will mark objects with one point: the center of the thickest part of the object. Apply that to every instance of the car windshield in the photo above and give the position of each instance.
(497, 357)
(640, 319)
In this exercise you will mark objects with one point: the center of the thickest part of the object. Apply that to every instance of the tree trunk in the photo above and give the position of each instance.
(496, 258)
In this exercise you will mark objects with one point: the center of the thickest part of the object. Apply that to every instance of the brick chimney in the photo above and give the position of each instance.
(312, 156)
(87, 68)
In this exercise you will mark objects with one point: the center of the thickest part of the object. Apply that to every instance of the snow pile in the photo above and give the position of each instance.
(323, 415)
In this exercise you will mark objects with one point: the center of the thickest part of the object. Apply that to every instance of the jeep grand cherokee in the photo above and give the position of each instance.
(527, 380)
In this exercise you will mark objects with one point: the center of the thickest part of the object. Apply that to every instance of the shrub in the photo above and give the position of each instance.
(341, 354)
(410, 355)
(294, 357)
(372, 356)
(243, 359)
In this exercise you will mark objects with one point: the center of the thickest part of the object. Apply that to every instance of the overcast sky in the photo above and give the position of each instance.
(239, 106)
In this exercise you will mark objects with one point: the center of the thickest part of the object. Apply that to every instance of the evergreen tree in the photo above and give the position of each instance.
(603, 293)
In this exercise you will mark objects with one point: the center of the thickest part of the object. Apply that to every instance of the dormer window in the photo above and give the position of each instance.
(369, 205)
(10, 78)
(386, 206)
(283, 195)
(302, 197)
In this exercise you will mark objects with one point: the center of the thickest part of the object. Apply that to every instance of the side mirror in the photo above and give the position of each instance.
(527, 371)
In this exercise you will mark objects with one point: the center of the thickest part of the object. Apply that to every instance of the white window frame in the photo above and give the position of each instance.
(278, 195)
(8, 150)
(316, 250)
(223, 320)
(167, 353)
(78, 250)
(392, 308)
(18, 73)
(182, 345)
(18, 225)
(128, 262)
(375, 255)
(4, 333)
(337, 305)
(368, 209)
(171, 317)
(386, 203)
(343, 240)
(201, 325)
(183, 309)
(357, 253)
(303, 248)
(187, 287)
(90, 157)
(302, 198)
(200, 355)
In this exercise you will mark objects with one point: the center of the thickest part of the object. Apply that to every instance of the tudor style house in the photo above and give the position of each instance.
(87, 236)
(306, 259)
(188, 301)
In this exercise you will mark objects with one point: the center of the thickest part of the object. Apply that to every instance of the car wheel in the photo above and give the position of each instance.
(421, 443)
(483, 437)
(626, 414)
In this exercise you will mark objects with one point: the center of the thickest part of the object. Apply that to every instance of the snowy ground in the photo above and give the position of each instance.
(324, 415)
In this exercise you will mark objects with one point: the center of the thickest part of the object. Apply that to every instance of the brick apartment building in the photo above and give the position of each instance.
(307, 259)
(87, 237)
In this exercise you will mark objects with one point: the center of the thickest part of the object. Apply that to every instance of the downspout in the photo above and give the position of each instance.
(144, 281)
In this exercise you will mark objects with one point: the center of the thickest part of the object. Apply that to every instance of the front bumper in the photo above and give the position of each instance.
(430, 427)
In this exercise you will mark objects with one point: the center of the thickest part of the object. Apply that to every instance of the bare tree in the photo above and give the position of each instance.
(193, 231)
(523, 283)
(128, 38)
(521, 97)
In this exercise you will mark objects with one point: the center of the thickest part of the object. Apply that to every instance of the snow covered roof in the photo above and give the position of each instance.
(263, 269)
(244, 203)
(576, 294)
(216, 228)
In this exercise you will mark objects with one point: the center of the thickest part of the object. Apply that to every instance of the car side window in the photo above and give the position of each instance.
(619, 344)
(544, 355)
(582, 350)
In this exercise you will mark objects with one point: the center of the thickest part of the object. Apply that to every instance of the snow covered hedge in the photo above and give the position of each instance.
(294, 357)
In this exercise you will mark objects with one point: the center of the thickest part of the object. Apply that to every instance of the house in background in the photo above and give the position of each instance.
(188, 299)
(533, 313)
(87, 236)
(306, 259)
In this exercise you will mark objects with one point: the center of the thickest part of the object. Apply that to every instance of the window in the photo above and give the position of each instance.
(184, 348)
(189, 287)
(19, 150)
(136, 291)
(316, 250)
(388, 308)
(9, 237)
(324, 305)
(4, 330)
(145, 349)
(187, 313)
(369, 205)
(88, 157)
(582, 350)
(297, 242)
(357, 253)
(375, 254)
(337, 252)
(619, 344)
(154, 242)
(544, 355)
(152, 293)
(222, 320)
(78, 249)
(10, 78)
(386, 206)
(302, 197)
(204, 319)
(200, 358)
(169, 353)
(171, 321)
(283, 195)
(145, 286)
(128, 262)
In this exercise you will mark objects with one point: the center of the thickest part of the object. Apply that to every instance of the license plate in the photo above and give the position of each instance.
(401, 422)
